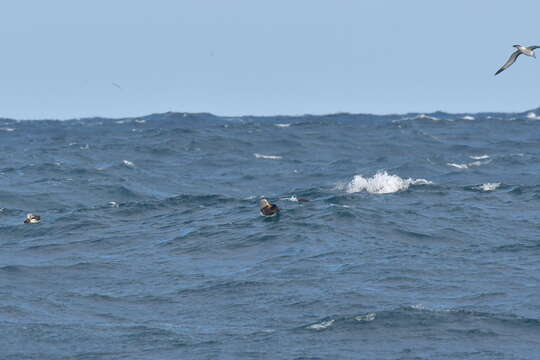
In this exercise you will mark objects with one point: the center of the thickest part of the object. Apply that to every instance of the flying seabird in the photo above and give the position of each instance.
(529, 51)
(267, 208)
(32, 219)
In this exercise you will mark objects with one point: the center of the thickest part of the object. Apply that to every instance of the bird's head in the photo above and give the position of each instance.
(516, 46)
(263, 203)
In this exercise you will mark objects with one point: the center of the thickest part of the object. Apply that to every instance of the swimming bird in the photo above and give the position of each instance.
(32, 219)
(529, 51)
(267, 208)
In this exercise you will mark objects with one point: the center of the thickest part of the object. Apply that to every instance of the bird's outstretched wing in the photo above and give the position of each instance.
(533, 47)
(510, 61)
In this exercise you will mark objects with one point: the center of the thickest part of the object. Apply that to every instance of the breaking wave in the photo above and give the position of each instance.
(380, 183)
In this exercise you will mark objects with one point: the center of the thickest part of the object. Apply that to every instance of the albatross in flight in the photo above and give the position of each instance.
(529, 51)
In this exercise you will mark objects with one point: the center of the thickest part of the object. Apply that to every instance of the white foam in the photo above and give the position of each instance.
(418, 117)
(293, 198)
(459, 166)
(7, 129)
(113, 204)
(270, 157)
(533, 116)
(468, 117)
(479, 157)
(425, 117)
(466, 166)
(322, 325)
(140, 121)
(283, 125)
(380, 183)
(128, 163)
(488, 186)
(367, 317)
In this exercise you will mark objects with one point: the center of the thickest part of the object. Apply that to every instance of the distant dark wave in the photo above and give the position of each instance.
(202, 116)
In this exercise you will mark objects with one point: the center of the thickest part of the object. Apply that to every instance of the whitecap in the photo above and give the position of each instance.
(140, 121)
(380, 183)
(322, 325)
(367, 317)
(418, 307)
(270, 157)
(459, 166)
(418, 117)
(293, 198)
(479, 157)
(425, 117)
(468, 117)
(282, 125)
(488, 186)
(113, 204)
(466, 166)
(7, 129)
(477, 163)
(532, 115)
(128, 163)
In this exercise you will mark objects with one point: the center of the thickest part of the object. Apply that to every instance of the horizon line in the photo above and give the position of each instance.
(268, 116)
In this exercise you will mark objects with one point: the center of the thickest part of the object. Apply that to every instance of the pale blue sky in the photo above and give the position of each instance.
(60, 58)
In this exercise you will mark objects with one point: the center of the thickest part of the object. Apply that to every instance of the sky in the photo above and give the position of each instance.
(64, 59)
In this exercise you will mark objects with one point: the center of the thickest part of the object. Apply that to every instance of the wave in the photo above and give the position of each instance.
(532, 115)
(269, 157)
(421, 315)
(423, 117)
(128, 163)
(479, 157)
(471, 164)
(380, 183)
(488, 186)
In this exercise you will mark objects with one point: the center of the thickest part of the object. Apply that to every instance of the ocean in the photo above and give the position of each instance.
(419, 238)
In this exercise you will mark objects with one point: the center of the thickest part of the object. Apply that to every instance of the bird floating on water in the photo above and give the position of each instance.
(529, 51)
(267, 208)
(32, 219)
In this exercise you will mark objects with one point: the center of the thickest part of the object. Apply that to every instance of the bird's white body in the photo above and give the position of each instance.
(525, 51)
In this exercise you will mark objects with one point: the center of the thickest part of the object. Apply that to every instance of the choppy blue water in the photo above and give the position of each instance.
(420, 239)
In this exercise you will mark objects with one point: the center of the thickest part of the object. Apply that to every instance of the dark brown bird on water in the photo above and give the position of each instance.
(267, 208)
(32, 219)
